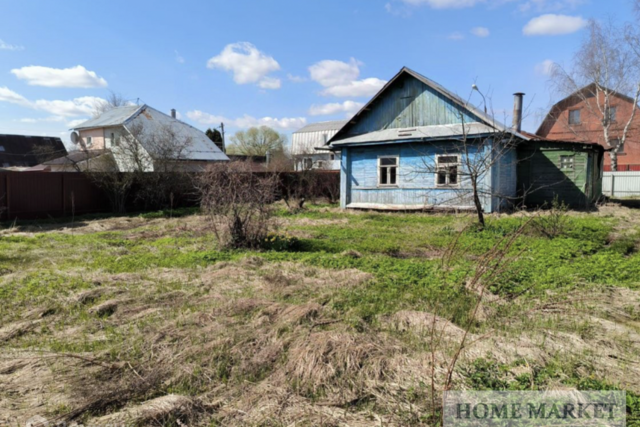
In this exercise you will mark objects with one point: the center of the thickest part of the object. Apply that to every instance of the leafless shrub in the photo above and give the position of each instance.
(554, 223)
(238, 203)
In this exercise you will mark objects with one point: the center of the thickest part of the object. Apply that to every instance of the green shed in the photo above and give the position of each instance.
(572, 171)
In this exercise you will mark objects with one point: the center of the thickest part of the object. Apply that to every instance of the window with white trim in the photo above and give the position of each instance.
(574, 117)
(567, 162)
(447, 170)
(388, 170)
(89, 141)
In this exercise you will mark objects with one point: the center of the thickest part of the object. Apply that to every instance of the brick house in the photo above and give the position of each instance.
(579, 118)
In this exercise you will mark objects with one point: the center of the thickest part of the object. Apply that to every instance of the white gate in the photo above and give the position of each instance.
(621, 184)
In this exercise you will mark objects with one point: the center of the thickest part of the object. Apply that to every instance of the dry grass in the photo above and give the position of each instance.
(256, 343)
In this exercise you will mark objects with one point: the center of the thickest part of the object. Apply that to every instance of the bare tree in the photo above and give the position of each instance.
(238, 202)
(605, 67)
(462, 169)
(114, 100)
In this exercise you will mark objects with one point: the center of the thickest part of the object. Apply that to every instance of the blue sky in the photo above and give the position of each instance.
(282, 63)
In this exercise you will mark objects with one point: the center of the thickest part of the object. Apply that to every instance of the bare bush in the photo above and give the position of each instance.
(238, 203)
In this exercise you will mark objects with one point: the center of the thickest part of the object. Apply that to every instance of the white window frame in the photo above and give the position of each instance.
(571, 165)
(579, 122)
(397, 167)
(89, 141)
(447, 165)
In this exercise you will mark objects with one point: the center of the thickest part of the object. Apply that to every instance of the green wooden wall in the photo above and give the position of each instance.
(541, 178)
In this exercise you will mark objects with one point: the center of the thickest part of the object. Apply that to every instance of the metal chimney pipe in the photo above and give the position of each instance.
(517, 111)
(173, 113)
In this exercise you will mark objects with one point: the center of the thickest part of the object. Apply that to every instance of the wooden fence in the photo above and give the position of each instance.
(36, 195)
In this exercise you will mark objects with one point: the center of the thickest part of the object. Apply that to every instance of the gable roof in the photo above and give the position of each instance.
(153, 122)
(24, 150)
(579, 95)
(455, 99)
(323, 126)
(114, 117)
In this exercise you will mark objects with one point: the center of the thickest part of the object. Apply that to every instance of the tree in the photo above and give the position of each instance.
(215, 136)
(257, 142)
(114, 100)
(605, 66)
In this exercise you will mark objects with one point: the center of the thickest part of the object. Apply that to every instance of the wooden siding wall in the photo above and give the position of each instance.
(541, 179)
(416, 185)
(409, 103)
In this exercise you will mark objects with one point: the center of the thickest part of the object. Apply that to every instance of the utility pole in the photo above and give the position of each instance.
(224, 145)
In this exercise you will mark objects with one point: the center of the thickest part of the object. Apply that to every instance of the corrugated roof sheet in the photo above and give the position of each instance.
(419, 132)
(154, 122)
(114, 117)
(322, 126)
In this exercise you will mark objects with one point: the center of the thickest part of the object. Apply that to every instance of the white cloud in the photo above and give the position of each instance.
(296, 79)
(82, 106)
(456, 36)
(340, 79)
(246, 121)
(179, 58)
(77, 76)
(7, 95)
(549, 5)
(443, 4)
(545, 68)
(269, 83)
(6, 46)
(480, 32)
(553, 25)
(348, 107)
(74, 123)
(247, 64)
(76, 107)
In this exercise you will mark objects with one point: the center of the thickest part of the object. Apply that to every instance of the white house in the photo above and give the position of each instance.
(142, 137)
(305, 144)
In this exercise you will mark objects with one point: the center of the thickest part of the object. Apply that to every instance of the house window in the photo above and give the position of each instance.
(332, 157)
(617, 142)
(388, 171)
(574, 117)
(612, 114)
(89, 141)
(567, 162)
(307, 163)
(447, 169)
(1, 147)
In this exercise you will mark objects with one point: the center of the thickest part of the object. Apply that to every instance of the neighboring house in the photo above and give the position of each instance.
(75, 161)
(19, 152)
(305, 144)
(579, 117)
(141, 137)
(402, 151)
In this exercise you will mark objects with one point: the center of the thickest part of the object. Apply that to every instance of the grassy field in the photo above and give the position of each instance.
(345, 318)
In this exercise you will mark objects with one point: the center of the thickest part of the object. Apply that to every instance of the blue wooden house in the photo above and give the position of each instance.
(416, 146)
(411, 146)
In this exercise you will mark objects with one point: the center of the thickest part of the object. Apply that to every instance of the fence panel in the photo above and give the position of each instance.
(621, 184)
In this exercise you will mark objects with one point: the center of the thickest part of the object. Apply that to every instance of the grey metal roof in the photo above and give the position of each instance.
(417, 133)
(321, 126)
(114, 117)
(488, 120)
(154, 122)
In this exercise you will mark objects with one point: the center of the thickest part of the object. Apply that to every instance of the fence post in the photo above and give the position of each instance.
(613, 186)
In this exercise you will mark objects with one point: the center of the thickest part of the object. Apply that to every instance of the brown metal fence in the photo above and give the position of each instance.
(31, 195)
(35, 195)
